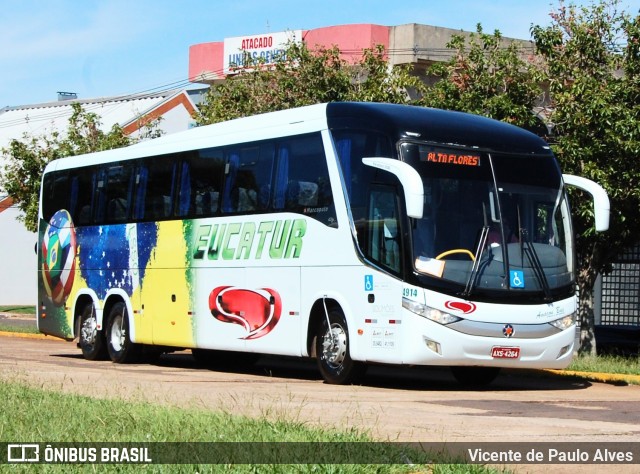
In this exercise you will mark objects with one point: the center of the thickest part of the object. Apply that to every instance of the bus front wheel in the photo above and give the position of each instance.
(332, 351)
(121, 349)
(91, 340)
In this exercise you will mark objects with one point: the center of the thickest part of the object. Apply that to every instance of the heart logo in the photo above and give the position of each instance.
(462, 306)
(257, 311)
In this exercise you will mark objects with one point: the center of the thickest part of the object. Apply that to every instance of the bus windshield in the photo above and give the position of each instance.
(491, 222)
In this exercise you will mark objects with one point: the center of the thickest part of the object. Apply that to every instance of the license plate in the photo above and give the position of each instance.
(505, 352)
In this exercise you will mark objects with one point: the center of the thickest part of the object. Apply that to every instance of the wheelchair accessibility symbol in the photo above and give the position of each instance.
(516, 279)
(368, 283)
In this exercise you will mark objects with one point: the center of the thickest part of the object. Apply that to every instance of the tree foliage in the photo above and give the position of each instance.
(27, 158)
(589, 58)
(592, 65)
(487, 75)
(305, 77)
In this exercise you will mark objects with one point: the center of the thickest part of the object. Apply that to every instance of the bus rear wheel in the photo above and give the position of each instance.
(91, 341)
(121, 349)
(332, 351)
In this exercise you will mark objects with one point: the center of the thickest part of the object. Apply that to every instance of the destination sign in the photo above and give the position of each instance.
(449, 157)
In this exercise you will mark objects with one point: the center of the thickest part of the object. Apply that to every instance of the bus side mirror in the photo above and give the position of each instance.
(601, 205)
(410, 180)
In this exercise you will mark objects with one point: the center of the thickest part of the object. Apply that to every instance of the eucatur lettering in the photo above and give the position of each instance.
(249, 240)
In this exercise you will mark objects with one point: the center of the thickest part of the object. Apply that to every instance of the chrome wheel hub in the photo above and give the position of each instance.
(334, 346)
(118, 334)
(89, 331)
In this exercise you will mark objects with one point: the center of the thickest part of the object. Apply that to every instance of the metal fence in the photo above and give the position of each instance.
(617, 294)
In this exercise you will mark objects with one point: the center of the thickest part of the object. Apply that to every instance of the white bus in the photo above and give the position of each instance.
(353, 233)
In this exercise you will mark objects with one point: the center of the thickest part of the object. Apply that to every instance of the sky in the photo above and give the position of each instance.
(99, 48)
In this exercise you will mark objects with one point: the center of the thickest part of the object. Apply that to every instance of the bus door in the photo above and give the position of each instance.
(165, 296)
(383, 247)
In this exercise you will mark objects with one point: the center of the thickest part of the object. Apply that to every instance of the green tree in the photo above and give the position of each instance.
(374, 80)
(592, 64)
(487, 75)
(27, 158)
(305, 77)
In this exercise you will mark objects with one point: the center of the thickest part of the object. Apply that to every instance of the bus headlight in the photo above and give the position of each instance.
(428, 312)
(564, 323)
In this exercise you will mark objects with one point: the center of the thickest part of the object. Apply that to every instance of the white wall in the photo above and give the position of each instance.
(18, 278)
(18, 261)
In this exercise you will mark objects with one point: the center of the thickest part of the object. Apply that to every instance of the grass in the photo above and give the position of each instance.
(607, 364)
(8, 327)
(35, 415)
(29, 310)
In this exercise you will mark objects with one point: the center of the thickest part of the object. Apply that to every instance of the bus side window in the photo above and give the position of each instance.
(82, 196)
(262, 173)
(207, 174)
(245, 192)
(56, 192)
(383, 236)
(231, 171)
(141, 180)
(100, 203)
(119, 193)
(155, 184)
(184, 194)
(351, 147)
(247, 184)
(282, 177)
(302, 179)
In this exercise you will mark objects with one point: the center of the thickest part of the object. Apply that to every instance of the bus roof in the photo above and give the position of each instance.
(256, 127)
(437, 126)
(400, 121)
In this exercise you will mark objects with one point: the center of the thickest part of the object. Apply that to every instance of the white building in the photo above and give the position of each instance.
(18, 282)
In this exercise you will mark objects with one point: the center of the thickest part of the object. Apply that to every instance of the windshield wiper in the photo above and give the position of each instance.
(527, 247)
(475, 268)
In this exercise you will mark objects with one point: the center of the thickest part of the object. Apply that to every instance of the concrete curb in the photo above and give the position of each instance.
(598, 376)
(28, 335)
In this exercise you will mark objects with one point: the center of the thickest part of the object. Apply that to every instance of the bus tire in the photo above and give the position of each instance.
(332, 351)
(91, 341)
(121, 349)
(475, 376)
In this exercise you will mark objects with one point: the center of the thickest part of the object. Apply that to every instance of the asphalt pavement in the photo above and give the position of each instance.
(28, 321)
(18, 320)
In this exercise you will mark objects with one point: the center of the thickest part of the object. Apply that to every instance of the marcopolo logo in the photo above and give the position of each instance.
(249, 240)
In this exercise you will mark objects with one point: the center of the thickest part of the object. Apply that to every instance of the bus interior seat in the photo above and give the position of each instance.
(308, 193)
(247, 199)
(207, 203)
(301, 194)
(84, 217)
(117, 210)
